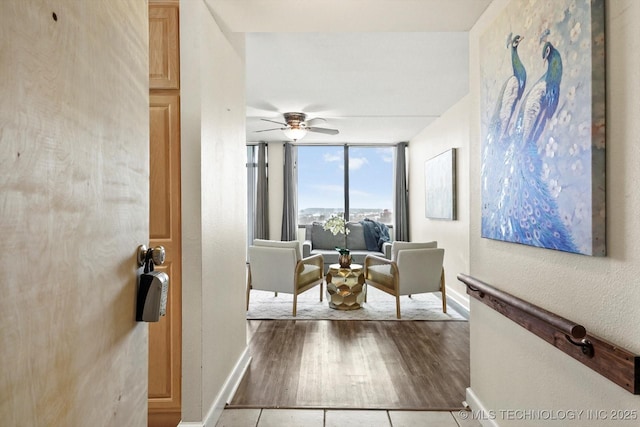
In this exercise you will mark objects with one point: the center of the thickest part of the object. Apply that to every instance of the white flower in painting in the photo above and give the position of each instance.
(571, 94)
(545, 171)
(581, 212)
(564, 118)
(567, 218)
(551, 148)
(577, 167)
(574, 150)
(553, 122)
(528, 21)
(572, 7)
(554, 188)
(559, 44)
(573, 56)
(584, 129)
(545, 22)
(575, 32)
(585, 44)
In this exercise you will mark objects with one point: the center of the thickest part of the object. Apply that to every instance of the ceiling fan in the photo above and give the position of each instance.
(297, 126)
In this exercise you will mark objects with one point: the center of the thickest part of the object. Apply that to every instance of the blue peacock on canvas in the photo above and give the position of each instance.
(518, 205)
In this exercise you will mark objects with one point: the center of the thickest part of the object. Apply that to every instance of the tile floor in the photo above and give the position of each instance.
(340, 418)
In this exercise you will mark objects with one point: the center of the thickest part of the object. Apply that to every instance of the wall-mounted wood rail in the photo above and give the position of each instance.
(615, 363)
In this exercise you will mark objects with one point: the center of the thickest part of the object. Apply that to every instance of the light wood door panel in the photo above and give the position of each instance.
(165, 230)
(73, 210)
(164, 55)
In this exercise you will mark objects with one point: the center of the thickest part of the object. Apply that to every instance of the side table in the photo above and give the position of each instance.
(345, 287)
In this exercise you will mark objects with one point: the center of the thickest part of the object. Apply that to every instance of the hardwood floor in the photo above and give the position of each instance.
(405, 365)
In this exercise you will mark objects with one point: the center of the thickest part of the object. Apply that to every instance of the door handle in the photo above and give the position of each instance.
(157, 255)
(153, 286)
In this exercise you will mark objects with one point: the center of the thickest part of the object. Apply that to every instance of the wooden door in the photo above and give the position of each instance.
(165, 229)
(164, 61)
(73, 210)
(165, 337)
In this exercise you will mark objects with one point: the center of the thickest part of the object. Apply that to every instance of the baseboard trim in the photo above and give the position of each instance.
(226, 393)
(453, 299)
(480, 413)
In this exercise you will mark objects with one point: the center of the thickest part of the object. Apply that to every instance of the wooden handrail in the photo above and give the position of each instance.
(559, 323)
(615, 363)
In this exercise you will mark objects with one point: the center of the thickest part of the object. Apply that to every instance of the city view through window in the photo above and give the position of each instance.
(321, 183)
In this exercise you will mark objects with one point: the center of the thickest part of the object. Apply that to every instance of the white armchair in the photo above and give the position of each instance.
(279, 267)
(414, 268)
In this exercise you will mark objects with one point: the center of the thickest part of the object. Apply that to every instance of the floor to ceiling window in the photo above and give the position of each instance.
(354, 180)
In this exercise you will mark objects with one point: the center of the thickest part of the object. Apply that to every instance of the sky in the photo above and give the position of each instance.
(321, 177)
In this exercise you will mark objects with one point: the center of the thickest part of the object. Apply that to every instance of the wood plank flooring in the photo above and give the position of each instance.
(404, 365)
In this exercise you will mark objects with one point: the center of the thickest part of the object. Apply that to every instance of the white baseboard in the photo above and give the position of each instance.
(478, 410)
(226, 393)
(457, 302)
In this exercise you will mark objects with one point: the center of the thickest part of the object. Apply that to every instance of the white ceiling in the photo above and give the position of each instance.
(380, 71)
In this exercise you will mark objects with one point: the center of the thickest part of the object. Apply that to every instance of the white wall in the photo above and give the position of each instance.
(214, 211)
(451, 130)
(510, 367)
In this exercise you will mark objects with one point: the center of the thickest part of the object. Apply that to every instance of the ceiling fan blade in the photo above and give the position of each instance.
(266, 130)
(273, 121)
(324, 130)
(315, 121)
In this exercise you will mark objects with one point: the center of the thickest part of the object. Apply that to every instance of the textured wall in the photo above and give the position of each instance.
(214, 208)
(511, 368)
(73, 206)
(451, 130)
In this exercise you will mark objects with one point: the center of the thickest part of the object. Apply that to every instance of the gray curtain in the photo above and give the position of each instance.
(261, 217)
(290, 206)
(252, 176)
(401, 208)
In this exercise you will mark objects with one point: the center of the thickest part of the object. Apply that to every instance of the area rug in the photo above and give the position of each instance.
(379, 306)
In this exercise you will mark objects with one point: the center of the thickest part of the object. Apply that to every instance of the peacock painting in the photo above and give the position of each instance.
(542, 100)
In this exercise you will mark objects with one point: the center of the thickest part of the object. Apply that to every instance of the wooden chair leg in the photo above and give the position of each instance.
(295, 303)
(398, 306)
(443, 290)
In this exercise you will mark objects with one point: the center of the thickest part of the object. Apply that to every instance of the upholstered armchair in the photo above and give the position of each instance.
(414, 268)
(279, 267)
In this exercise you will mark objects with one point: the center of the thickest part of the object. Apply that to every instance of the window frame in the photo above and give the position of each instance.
(346, 183)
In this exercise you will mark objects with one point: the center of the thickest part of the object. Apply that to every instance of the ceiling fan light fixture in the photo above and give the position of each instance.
(295, 133)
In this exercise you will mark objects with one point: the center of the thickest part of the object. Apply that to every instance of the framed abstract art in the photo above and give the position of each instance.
(440, 186)
(542, 67)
